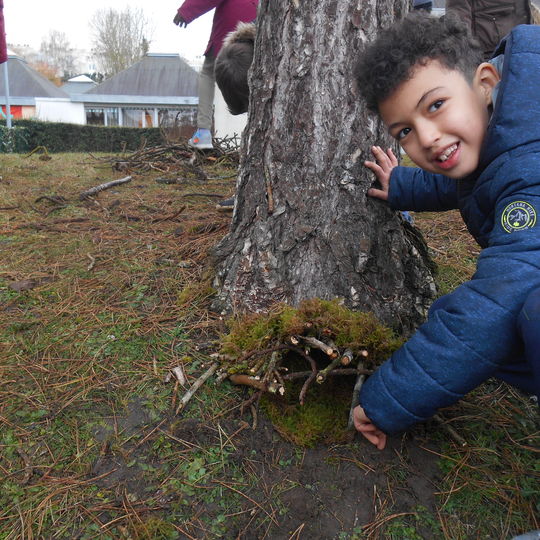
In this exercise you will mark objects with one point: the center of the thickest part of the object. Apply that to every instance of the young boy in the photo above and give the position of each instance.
(473, 128)
(232, 67)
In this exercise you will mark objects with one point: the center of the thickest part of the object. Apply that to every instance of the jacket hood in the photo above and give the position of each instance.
(516, 117)
(244, 33)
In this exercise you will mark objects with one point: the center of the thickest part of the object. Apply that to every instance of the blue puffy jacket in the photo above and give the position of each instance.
(471, 332)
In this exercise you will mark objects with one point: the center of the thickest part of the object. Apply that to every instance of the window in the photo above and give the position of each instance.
(95, 117)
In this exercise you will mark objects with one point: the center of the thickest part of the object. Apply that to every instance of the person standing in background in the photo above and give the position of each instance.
(228, 14)
(490, 20)
(422, 4)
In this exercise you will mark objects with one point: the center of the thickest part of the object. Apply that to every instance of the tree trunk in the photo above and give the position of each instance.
(303, 226)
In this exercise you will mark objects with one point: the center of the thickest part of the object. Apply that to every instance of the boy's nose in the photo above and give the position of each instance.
(428, 134)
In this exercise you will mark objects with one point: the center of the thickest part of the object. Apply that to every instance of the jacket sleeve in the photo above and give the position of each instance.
(191, 9)
(414, 189)
(469, 333)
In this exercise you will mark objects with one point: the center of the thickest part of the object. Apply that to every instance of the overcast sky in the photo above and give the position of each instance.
(29, 21)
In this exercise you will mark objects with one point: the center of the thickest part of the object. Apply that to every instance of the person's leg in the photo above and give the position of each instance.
(202, 138)
(206, 94)
(426, 6)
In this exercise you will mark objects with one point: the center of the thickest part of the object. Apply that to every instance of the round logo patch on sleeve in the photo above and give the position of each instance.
(518, 216)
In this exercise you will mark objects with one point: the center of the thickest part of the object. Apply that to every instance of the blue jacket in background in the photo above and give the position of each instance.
(471, 332)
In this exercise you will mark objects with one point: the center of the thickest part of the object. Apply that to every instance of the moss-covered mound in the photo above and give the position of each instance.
(286, 355)
(256, 335)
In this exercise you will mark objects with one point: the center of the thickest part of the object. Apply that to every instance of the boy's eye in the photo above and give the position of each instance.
(436, 105)
(402, 133)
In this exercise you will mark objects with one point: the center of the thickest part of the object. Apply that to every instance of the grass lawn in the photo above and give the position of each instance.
(100, 298)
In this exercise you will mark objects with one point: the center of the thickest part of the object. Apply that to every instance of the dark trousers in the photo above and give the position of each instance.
(426, 6)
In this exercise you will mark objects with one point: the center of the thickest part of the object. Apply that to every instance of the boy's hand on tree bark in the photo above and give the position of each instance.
(369, 430)
(382, 167)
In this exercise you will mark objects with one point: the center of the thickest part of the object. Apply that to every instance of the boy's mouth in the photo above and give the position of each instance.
(448, 157)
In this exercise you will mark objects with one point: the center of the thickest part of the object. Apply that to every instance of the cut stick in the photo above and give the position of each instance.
(107, 185)
(255, 382)
(195, 386)
(450, 430)
(318, 344)
(179, 373)
(356, 392)
(346, 357)
(323, 373)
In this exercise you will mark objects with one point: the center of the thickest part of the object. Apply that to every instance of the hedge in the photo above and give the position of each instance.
(63, 137)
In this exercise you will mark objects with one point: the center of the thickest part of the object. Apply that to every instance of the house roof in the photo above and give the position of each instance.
(73, 86)
(25, 82)
(81, 78)
(154, 75)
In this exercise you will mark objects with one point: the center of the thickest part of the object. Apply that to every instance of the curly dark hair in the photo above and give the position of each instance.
(390, 60)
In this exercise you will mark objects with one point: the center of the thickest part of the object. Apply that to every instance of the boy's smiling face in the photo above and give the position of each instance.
(439, 118)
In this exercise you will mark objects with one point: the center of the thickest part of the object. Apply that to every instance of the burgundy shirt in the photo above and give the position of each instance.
(228, 14)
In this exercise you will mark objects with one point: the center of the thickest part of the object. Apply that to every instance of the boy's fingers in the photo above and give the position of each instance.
(377, 439)
(371, 437)
(375, 167)
(381, 155)
(378, 193)
(393, 157)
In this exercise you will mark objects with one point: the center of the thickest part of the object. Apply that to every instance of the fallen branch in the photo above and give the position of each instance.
(55, 199)
(28, 468)
(39, 149)
(195, 386)
(107, 185)
(92, 262)
(214, 195)
(169, 217)
(450, 431)
(180, 375)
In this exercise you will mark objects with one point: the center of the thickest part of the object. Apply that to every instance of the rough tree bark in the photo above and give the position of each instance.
(303, 226)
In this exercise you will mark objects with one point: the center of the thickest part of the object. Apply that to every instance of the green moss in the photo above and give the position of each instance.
(327, 320)
(322, 419)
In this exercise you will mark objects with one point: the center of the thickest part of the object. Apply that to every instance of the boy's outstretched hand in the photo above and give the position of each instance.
(369, 430)
(382, 167)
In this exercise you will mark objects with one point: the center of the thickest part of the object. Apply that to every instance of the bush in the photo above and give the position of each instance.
(13, 140)
(63, 137)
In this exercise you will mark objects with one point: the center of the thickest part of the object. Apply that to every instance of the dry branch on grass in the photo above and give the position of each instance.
(102, 187)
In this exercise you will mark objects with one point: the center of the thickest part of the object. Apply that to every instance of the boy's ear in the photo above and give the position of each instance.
(485, 79)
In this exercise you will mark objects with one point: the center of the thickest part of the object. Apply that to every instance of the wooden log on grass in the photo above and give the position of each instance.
(102, 187)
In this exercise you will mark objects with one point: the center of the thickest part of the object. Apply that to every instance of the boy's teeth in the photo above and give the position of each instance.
(448, 152)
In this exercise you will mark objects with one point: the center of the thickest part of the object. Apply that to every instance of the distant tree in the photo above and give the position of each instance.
(56, 51)
(119, 38)
(48, 71)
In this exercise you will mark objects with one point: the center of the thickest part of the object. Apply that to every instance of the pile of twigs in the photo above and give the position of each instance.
(173, 157)
(310, 344)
